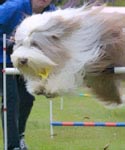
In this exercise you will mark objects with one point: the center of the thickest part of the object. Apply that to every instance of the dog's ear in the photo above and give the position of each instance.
(58, 27)
(62, 27)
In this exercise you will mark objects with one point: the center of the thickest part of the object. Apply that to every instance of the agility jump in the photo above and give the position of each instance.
(6, 71)
(79, 124)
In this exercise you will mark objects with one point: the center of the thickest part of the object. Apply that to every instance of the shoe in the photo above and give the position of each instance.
(16, 148)
(23, 145)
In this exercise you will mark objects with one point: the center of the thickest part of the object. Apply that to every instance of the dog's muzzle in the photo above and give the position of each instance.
(22, 61)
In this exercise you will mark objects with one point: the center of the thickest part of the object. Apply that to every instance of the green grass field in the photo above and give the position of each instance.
(76, 108)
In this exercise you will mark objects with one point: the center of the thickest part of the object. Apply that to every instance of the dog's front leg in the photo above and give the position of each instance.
(52, 87)
(35, 86)
(58, 84)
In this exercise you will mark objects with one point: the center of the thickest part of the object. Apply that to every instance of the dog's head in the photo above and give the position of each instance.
(39, 42)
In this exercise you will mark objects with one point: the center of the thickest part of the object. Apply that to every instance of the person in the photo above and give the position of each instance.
(19, 101)
(2, 1)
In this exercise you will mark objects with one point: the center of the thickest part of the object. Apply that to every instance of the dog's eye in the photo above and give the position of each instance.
(55, 37)
(34, 44)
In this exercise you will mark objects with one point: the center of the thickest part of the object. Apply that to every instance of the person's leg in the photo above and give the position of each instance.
(25, 106)
(12, 112)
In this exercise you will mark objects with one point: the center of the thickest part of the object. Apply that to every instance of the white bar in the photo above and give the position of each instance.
(61, 103)
(119, 70)
(11, 71)
(4, 94)
(14, 71)
(51, 120)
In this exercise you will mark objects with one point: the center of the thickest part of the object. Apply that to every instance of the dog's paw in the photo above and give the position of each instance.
(51, 95)
(39, 91)
(35, 86)
(42, 91)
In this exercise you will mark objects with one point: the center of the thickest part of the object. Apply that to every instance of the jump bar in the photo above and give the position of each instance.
(115, 70)
(11, 71)
(119, 70)
(91, 124)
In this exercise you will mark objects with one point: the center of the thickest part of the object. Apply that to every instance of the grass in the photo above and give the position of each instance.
(76, 108)
(74, 138)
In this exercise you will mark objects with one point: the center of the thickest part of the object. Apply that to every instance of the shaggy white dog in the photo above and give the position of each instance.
(60, 51)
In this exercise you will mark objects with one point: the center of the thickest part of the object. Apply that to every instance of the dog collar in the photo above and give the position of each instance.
(44, 73)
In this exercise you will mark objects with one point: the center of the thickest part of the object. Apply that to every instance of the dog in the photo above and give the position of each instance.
(58, 52)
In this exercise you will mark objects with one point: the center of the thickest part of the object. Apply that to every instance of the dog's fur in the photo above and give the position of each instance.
(77, 45)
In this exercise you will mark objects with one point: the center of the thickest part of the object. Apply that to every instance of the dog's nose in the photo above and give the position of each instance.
(22, 61)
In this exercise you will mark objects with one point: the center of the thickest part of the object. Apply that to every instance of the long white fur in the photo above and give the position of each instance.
(80, 44)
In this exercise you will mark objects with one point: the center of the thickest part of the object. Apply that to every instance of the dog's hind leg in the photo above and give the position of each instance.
(106, 87)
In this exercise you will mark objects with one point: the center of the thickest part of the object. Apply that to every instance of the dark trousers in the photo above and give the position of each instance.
(19, 104)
